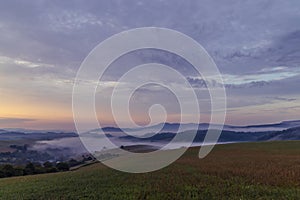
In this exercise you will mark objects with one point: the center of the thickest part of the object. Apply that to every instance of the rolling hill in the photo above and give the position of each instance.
(236, 171)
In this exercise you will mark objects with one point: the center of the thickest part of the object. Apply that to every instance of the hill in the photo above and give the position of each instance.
(268, 170)
(173, 127)
(226, 136)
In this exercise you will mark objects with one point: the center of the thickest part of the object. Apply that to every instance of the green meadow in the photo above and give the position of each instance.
(269, 170)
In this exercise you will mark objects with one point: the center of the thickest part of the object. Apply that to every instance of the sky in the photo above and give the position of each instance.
(255, 45)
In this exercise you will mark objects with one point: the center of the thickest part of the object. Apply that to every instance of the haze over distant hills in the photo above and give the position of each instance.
(173, 127)
(6, 133)
(64, 145)
(157, 135)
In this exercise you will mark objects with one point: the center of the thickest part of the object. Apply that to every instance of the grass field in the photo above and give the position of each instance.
(233, 171)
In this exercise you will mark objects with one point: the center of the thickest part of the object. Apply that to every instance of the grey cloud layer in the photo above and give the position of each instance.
(255, 43)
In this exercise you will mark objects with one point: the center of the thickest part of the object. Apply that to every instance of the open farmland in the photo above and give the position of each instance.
(269, 170)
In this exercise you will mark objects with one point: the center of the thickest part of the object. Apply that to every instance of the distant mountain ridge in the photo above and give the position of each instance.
(18, 135)
(23, 130)
(173, 127)
(226, 136)
(287, 130)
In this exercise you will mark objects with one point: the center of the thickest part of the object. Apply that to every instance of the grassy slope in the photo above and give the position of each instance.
(235, 171)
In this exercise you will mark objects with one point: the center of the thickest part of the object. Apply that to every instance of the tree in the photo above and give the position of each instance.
(18, 171)
(48, 164)
(62, 166)
(29, 169)
(72, 162)
(8, 170)
(51, 170)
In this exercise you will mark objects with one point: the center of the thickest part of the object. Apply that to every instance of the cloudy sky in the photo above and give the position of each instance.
(255, 44)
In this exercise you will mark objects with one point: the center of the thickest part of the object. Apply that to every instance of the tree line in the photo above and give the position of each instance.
(8, 170)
